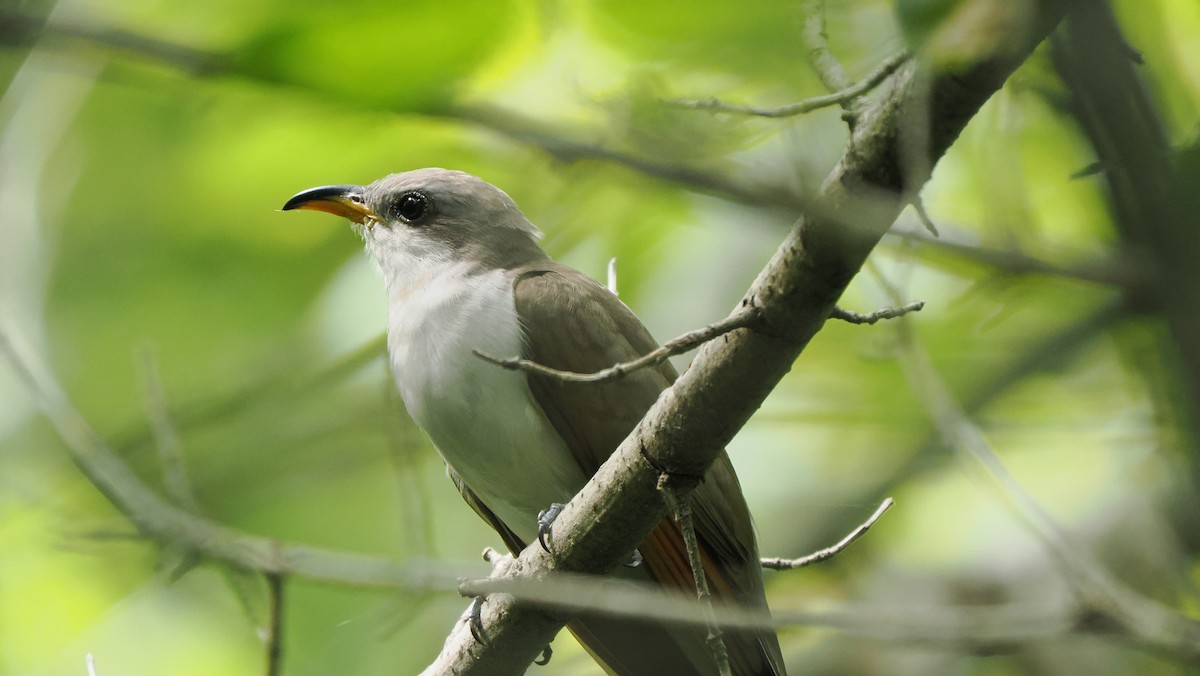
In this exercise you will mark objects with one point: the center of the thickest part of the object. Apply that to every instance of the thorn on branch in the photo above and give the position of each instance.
(872, 317)
(923, 216)
(741, 319)
(842, 97)
(830, 552)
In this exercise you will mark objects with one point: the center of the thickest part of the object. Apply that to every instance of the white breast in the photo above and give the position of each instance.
(482, 418)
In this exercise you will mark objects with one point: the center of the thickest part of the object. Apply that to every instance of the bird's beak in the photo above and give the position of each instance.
(339, 200)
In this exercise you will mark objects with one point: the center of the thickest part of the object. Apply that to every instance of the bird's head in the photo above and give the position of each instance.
(429, 216)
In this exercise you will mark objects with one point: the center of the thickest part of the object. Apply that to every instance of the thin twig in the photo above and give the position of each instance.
(681, 507)
(923, 216)
(830, 552)
(827, 66)
(820, 57)
(878, 315)
(739, 320)
(842, 97)
(275, 627)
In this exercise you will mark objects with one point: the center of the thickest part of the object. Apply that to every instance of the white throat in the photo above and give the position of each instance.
(482, 418)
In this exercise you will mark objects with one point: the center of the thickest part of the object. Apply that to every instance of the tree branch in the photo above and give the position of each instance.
(741, 319)
(162, 521)
(843, 97)
(820, 57)
(17, 28)
(691, 422)
(852, 317)
(1154, 204)
(830, 552)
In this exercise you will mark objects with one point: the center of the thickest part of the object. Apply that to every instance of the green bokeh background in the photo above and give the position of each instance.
(140, 243)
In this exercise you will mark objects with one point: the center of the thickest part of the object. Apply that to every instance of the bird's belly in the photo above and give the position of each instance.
(483, 418)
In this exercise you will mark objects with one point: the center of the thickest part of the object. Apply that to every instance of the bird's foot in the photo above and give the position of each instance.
(474, 617)
(474, 613)
(635, 559)
(545, 518)
(545, 658)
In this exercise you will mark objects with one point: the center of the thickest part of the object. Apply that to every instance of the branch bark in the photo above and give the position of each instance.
(691, 422)
(1152, 202)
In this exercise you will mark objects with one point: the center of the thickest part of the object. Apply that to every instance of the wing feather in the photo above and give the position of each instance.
(573, 323)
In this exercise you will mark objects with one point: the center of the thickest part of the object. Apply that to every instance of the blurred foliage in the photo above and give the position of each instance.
(138, 195)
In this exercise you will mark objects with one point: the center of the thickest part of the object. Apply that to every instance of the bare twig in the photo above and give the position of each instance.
(739, 320)
(830, 552)
(679, 503)
(822, 60)
(826, 65)
(275, 627)
(843, 97)
(872, 317)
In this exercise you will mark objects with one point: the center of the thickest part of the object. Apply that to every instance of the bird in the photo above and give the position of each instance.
(464, 274)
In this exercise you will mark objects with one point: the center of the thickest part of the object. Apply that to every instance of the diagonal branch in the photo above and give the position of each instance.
(159, 519)
(689, 425)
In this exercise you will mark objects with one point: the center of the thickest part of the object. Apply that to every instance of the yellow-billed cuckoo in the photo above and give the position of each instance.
(464, 272)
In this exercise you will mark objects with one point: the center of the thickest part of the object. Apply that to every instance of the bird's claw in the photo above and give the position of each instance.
(545, 658)
(475, 619)
(635, 559)
(545, 518)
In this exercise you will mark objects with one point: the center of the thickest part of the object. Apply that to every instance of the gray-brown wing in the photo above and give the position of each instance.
(573, 323)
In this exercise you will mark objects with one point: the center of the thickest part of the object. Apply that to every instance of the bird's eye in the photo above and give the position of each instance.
(411, 207)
